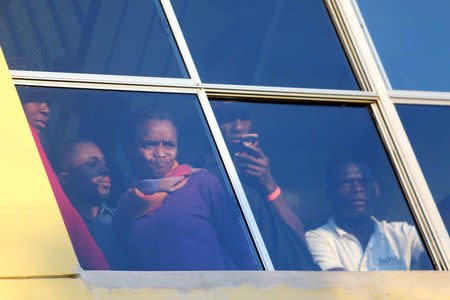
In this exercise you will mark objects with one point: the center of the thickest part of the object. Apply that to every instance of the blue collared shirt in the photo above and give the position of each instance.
(103, 234)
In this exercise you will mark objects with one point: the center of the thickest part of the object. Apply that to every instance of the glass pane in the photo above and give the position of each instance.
(427, 128)
(130, 163)
(412, 41)
(321, 169)
(112, 37)
(273, 42)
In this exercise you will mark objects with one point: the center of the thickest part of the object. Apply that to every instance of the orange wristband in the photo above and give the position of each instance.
(274, 195)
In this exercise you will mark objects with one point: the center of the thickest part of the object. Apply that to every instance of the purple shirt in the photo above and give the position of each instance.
(196, 228)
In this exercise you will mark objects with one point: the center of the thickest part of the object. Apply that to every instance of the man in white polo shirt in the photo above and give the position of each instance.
(353, 239)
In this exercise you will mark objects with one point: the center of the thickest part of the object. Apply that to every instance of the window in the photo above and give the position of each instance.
(277, 65)
(320, 170)
(114, 37)
(427, 128)
(132, 166)
(275, 43)
(411, 39)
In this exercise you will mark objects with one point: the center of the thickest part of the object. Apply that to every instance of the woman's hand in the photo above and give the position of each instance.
(135, 204)
(255, 163)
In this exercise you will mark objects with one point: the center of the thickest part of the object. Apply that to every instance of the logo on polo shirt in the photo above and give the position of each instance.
(389, 261)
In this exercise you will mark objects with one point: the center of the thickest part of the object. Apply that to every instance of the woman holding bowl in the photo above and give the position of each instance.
(175, 217)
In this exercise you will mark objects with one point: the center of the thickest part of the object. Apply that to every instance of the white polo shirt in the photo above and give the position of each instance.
(392, 246)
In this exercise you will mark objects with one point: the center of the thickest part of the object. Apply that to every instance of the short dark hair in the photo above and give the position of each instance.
(334, 168)
(228, 111)
(140, 117)
(33, 94)
(64, 151)
(143, 116)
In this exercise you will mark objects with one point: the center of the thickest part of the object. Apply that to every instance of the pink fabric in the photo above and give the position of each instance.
(181, 170)
(136, 204)
(89, 254)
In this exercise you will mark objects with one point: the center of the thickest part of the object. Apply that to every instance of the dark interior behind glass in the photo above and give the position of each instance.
(198, 225)
(101, 37)
(272, 42)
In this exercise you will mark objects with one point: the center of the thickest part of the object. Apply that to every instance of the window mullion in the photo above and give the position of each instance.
(233, 176)
(179, 39)
(399, 148)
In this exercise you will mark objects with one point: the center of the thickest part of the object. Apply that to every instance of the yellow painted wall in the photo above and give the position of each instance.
(33, 238)
(41, 289)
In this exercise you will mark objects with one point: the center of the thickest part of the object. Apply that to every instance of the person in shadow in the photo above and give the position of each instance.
(353, 239)
(281, 229)
(82, 172)
(37, 111)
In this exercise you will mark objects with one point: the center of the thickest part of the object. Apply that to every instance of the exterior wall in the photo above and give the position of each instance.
(38, 262)
(44, 288)
(233, 285)
(33, 238)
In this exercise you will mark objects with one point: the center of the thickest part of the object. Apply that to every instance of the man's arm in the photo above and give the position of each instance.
(257, 166)
(289, 216)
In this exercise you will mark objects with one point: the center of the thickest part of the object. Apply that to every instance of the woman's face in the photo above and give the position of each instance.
(157, 148)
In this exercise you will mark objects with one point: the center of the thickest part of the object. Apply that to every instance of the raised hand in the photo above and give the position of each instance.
(135, 204)
(254, 162)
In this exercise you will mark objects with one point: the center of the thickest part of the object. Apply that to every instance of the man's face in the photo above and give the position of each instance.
(37, 114)
(354, 190)
(88, 173)
(233, 130)
(157, 147)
